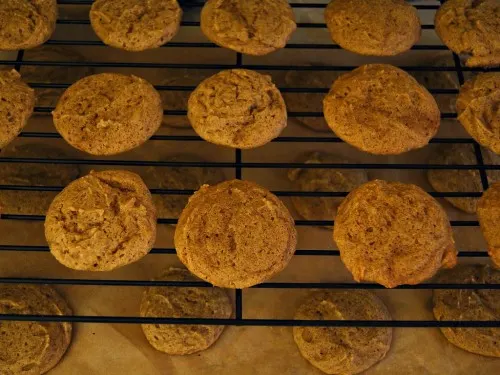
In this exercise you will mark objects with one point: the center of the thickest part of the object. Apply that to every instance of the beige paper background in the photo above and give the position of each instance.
(114, 349)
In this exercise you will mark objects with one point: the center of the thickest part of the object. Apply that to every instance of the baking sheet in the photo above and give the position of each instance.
(115, 349)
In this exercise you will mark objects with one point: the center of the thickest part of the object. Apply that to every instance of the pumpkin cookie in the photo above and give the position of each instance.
(308, 102)
(32, 348)
(471, 27)
(135, 25)
(488, 212)
(237, 108)
(375, 27)
(101, 221)
(382, 110)
(460, 180)
(48, 97)
(178, 178)
(253, 27)
(26, 23)
(235, 234)
(17, 101)
(183, 302)
(326, 180)
(467, 304)
(108, 113)
(19, 202)
(393, 234)
(477, 107)
(339, 350)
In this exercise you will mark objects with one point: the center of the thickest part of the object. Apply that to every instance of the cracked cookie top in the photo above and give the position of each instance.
(108, 113)
(101, 221)
(471, 27)
(26, 23)
(253, 27)
(393, 234)
(342, 350)
(237, 108)
(235, 234)
(135, 25)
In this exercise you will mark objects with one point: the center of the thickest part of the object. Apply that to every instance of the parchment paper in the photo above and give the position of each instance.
(114, 349)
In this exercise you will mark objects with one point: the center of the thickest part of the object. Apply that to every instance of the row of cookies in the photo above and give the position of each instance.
(237, 234)
(258, 27)
(34, 348)
(377, 108)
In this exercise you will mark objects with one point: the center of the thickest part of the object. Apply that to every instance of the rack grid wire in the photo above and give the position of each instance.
(238, 165)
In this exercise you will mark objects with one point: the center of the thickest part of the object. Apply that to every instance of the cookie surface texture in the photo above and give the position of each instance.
(183, 302)
(393, 234)
(235, 234)
(382, 110)
(101, 221)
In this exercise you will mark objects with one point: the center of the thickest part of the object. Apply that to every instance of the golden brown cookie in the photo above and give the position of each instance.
(135, 25)
(468, 304)
(460, 180)
(375, 27)
(17, 101)
(235, 234)
(26, 23)
(237, 108)
(32, 348)
(48, 97)
(108, 113)
(253, 27)
(18, 202)
(178, 178)
(325, 180)
(393, 234)
(477, 106)
(471, 27)
(308, 102)
(101, 221)
(382, 110)
(488, 213)
(183, 302)
(339, 350)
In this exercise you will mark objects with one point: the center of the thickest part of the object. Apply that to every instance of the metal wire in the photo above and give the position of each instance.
(239, 165)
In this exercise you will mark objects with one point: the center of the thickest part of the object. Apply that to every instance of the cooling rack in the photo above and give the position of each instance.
(238, 165)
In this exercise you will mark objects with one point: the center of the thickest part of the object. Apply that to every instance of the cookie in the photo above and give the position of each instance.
(183, 302)
(135, 25)
(178, 178)
(18, 202)
(108, 113)
(235, 234)
(382, 110)
(460, 180)
(32, 348)
(308, 102)
(237, 108)
(48, 97)
(253, 27)
(477, 106)
(339, 350)
(101, 221)
(17, 102)
(393, 234)
(471, 27)
(326, 180)
(488, 213)
(468, 304)
(375, 27)
(26, 23)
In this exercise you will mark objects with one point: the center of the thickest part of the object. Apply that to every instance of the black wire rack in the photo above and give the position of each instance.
(238, 165)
